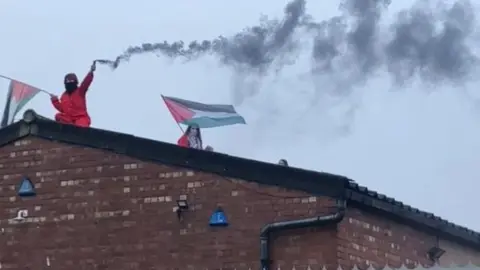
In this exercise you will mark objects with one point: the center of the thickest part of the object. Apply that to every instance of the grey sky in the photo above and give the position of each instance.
(415, 142)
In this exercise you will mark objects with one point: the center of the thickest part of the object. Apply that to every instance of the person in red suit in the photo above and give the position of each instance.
(72, 105)
(192, 138)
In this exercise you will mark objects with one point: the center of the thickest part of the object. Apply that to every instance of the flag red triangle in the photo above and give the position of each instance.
(179, 112)
(21, 91)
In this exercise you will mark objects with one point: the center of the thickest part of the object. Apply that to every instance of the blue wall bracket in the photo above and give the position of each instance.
(26, 188)
(218, 218)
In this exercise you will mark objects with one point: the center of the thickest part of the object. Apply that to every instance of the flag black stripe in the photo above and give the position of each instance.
(203, 107)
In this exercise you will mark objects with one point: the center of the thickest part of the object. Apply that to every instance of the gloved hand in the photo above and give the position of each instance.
(94, 66)
(53, 97)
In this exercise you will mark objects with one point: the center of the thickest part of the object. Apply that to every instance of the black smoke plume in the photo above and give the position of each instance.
(255, 47)
(418, 47)
(432, 43)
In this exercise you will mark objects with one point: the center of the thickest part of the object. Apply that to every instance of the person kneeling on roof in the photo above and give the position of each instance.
(72, 105)
(192, 138)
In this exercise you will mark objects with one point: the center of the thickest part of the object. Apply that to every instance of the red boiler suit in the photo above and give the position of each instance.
(73, 107)
(183, 141)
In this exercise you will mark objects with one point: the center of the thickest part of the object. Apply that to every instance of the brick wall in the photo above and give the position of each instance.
(457, 254)
(368, 239)
(98, 210)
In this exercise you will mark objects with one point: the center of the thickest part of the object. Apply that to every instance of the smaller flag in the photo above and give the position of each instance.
(18, 95)
(203, 115)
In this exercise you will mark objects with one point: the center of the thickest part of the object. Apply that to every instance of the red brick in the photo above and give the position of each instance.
(99, 210)
(394, 244)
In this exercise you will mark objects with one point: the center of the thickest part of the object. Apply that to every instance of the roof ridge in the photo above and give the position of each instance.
(312, 182)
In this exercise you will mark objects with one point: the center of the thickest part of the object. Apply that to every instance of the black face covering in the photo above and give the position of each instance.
(70, 87)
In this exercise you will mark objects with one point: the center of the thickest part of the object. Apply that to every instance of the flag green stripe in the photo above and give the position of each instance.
(207, 122)
(23, 102)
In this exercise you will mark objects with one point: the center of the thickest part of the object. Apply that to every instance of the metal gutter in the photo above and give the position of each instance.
(318, 221)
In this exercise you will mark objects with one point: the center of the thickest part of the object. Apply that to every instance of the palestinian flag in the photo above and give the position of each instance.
(18, 95)
(203, 115)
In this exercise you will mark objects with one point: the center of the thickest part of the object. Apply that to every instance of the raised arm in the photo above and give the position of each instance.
(87, 81)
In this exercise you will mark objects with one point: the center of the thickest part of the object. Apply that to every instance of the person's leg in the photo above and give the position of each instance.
(83, 122)
(63, 118)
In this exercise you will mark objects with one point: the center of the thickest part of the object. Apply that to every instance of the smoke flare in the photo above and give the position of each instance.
(416, 44)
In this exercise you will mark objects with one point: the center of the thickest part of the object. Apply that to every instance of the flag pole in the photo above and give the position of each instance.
(178, 124)
(180, 127)
(41, 90)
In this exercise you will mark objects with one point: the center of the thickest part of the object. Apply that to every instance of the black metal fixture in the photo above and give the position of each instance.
(434, 253)
(182, 206)
(318, 221)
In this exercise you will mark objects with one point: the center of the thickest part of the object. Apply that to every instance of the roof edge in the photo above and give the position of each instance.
(312, 182)
(428, 222)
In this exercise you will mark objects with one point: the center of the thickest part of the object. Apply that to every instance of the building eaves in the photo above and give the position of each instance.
(363, 197)
(315, 183)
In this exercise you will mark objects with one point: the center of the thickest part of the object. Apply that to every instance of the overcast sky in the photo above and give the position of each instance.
(417, 144)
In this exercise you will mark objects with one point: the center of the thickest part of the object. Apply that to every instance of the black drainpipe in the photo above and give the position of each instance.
(295, 224)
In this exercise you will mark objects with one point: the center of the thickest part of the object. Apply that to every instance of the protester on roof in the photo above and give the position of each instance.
(283, 162)
(192, 138)
(72, 105)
